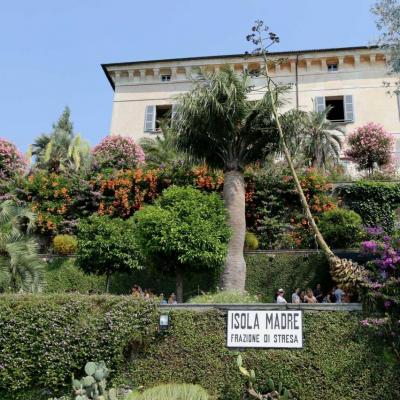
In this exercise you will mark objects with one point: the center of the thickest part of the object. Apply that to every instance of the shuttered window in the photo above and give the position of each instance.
(150, 119)
(348, 108)
(320, 103)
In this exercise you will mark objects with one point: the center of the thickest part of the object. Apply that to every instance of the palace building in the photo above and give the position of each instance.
(353, 80)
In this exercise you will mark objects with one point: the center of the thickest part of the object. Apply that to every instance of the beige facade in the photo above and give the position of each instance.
(349, 79)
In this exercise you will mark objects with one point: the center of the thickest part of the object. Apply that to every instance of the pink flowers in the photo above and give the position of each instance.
(370, 146)
(119, 152)
(11, 160)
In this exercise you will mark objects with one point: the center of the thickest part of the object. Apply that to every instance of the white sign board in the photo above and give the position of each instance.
(265, 329)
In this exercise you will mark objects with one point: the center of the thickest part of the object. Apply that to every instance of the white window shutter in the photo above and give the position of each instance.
(348, 108)
(150, 119)
(320, 104)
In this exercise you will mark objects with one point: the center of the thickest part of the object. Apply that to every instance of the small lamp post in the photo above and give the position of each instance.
(164, 322)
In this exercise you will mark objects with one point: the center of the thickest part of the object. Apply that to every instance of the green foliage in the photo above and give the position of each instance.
(106, 245)
(267, 273)
(171, 391)
(375, 202)
(62, 150)
(224, 297)
(341, 228)
(185, 229)
(62, 275)
(278, 392)
(59, 333)
(216, 114)
(65, 244)
(339, 361)
(20, 266)
(250, 241)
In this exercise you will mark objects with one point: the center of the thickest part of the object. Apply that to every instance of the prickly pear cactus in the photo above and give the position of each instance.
(277, 392)
(93, 385)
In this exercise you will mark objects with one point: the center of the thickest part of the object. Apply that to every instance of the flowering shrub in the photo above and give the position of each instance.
(118, 152)
(370, 146)
(12, 161)
(65, 244)
(384, 286)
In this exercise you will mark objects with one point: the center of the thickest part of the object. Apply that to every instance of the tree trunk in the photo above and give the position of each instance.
(179, 284)
(234, 275)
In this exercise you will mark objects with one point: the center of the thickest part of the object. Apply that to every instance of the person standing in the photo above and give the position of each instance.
(339, 294)
(280, 299)
(295, 296)
(318, 293)
(309, 297)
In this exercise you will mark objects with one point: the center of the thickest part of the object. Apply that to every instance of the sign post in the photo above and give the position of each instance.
(265, 329)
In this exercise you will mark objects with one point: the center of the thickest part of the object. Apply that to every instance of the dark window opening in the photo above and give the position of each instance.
(162, 113)
(337, 111)
(165, 78)
(332, 67)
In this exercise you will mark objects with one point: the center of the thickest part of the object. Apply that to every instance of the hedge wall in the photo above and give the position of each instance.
(265, 273)
(339, 360)
(45, 338)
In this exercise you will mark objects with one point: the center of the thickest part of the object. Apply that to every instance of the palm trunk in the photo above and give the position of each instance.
(179, 283)
(234, 276)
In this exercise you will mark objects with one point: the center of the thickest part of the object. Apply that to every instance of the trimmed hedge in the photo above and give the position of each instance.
(339, 360)
(45, 338)
(266, 273)
(375, 202)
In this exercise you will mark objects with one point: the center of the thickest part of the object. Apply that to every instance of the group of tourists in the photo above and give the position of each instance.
(147, 294)
(316, 295)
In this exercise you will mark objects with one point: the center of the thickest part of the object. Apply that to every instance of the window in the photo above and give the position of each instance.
(342, 109)
(165, 78)
(155, 114)
(333, 67)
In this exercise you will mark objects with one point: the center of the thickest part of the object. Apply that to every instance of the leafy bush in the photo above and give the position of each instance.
(65, 244)
(250, 241)
(12, 162)
(184, 230)
(118, 152)
(375, 202)
(341, 228)
(106, 245)
(370, 145)
(62, 276)
(224, 297)
(342, 362)
(59, 333)
(171, 391)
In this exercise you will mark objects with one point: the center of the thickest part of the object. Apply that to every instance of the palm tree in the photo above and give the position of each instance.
(216, 123)
(322, 144)
(20, 266)
(62, 150)
(163, 149)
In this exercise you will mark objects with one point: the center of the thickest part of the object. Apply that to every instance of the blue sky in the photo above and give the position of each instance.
(51, 50)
